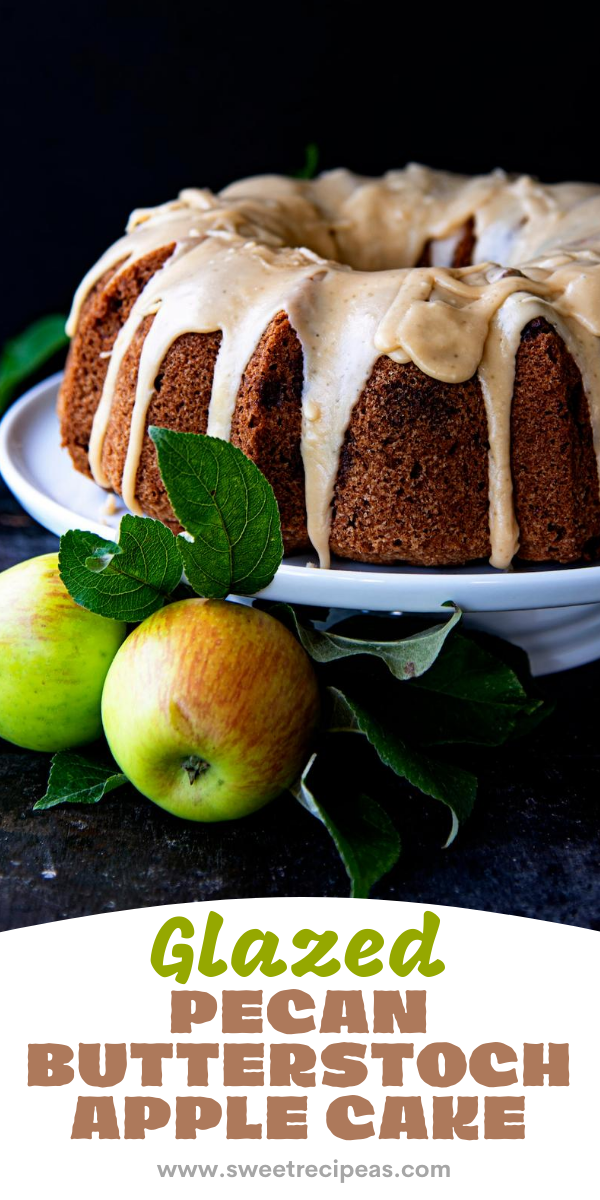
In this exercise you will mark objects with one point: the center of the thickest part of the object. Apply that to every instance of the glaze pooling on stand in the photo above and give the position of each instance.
(336, 255)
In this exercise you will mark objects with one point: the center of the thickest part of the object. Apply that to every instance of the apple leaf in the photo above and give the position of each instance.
(366, 840)
(451, 785)
(311, 162)
(126, 581)
(224, 501)
(25, 354)
(406, 658)
(472, 696)
(76, 780)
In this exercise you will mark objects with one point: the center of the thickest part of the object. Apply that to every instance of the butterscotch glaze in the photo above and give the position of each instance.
(336, 254)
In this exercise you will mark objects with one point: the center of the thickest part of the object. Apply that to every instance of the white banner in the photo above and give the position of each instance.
(305, 1043)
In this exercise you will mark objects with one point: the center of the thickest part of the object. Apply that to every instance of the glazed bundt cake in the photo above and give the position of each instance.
(413, 362)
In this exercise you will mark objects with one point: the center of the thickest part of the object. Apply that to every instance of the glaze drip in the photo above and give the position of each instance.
(336, 255)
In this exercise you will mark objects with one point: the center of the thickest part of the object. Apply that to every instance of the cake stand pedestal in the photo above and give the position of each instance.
(553, 638)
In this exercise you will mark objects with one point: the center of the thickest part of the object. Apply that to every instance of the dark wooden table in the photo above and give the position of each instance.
(531, 847)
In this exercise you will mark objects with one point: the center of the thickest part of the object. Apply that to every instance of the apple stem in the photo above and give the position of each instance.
(195, 767)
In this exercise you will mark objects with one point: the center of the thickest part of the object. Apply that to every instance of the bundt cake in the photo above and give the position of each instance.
(413, 362)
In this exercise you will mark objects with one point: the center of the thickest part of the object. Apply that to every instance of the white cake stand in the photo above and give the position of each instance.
(553, 613)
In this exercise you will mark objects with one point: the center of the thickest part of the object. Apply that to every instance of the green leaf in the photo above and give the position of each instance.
(366, 840)
(469, 695)
(449, 784)
(225, 502)
(311, 162)
(126, 581)
(76, 780)
(406, 658)
(25, 354)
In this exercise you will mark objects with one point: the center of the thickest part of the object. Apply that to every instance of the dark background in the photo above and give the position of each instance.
(109, 106)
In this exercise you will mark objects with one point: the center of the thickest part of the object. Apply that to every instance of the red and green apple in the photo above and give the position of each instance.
(210, 708)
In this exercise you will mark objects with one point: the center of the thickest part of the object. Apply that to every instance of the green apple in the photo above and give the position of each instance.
(210, 708)
(54, 657)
